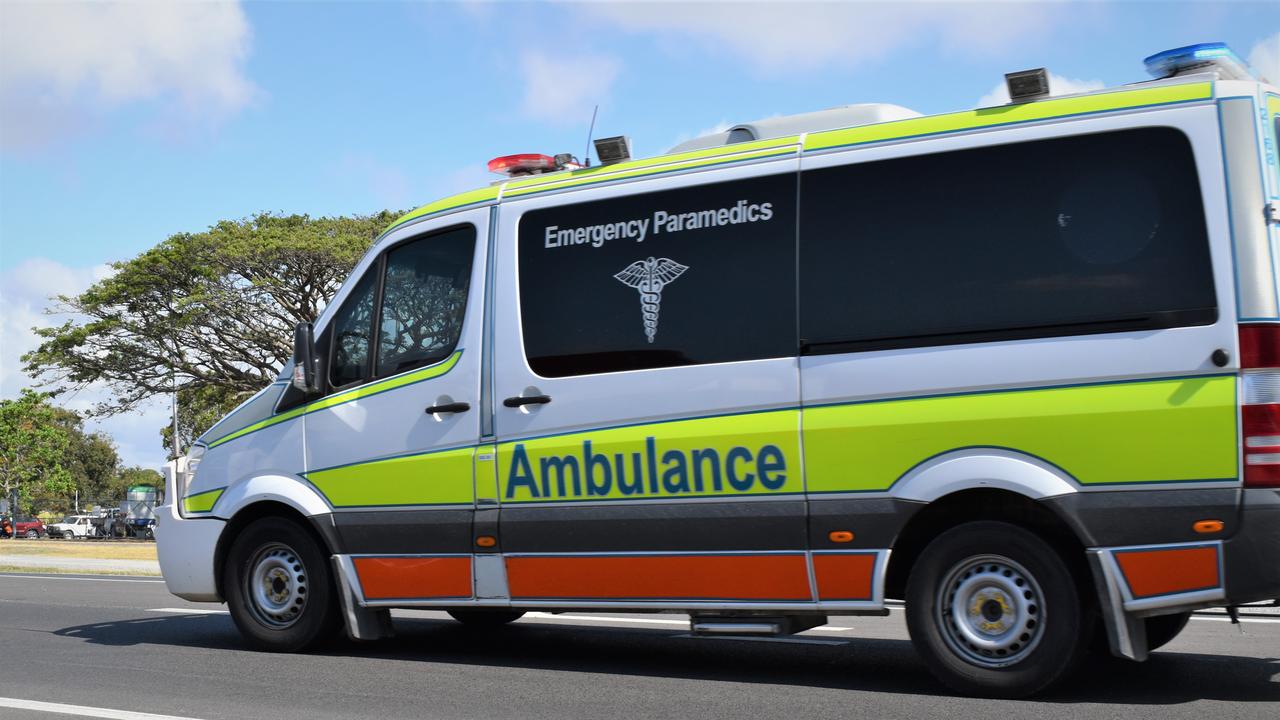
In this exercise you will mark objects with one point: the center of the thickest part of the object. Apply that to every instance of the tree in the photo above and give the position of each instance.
(198, 409)
(91, 459)
(33, 448)
(210, 313)
(131, 476)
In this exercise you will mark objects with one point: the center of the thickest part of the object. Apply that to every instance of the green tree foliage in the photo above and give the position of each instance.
(198, 409)
(92, 461)
(211, 312)
(33, 448)
(130, 476)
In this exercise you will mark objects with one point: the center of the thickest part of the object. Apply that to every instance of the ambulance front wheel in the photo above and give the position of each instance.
(486, 618)
(995, 611)
(279, 587)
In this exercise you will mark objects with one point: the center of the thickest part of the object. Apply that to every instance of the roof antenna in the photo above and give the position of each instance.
(586, 157)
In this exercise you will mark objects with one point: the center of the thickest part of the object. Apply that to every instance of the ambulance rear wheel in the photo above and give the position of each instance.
(995, 611)
(1162, 629)
(279, 587)
(486, 618)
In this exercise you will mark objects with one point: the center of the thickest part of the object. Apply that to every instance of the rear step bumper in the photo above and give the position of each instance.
(1139, 581)
(754, 625)
(1252, 555)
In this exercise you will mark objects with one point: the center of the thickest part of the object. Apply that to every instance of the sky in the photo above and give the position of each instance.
(124, 123)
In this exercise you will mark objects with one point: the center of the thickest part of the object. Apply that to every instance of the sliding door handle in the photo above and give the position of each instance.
(453, 407)
(519, 400)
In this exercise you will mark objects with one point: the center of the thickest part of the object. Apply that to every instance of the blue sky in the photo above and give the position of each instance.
(121, 125)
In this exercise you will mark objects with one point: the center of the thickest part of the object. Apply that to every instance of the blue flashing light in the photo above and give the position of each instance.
(1202, 55)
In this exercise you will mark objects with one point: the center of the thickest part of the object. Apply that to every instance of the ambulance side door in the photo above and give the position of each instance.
(646, 393)
(391, 445)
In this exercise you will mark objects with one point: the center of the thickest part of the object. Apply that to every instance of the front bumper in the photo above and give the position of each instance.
(186, 552)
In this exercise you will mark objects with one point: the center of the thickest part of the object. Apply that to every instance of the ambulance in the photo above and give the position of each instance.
(1018, 367)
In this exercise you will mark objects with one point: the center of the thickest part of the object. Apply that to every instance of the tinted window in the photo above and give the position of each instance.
(424, 299)
(1098, 233)
(352, 331)
(696, 275)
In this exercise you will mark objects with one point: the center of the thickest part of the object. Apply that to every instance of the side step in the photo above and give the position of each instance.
(754, 624)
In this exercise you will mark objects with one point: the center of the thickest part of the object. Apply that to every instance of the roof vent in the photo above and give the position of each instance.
(786, 125)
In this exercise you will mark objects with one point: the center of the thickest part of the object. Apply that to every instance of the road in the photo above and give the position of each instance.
(126, 644)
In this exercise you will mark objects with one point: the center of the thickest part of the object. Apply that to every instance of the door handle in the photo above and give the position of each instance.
(519, 400)
(453, 407)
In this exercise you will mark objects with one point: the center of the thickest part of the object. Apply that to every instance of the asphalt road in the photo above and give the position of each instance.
(126, 644)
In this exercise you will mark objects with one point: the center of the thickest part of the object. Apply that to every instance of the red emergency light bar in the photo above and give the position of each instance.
(522, 164)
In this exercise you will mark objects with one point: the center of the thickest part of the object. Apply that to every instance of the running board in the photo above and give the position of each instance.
(754, 625)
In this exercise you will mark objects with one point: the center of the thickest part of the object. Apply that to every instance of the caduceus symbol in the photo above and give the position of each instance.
(649, 276)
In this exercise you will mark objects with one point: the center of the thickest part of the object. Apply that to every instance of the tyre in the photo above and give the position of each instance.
(33, 534)
(486, 618)
(279, 587)
(995, 611)
(1162, 629)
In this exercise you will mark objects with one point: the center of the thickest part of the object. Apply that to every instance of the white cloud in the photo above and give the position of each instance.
(1058, 85)
(562, 89)
(780, 38)
(25, 290)
(1264, 58)
(64, 65)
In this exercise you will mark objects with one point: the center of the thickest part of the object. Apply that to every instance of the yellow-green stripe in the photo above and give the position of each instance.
(201, 502)
(1008, 114)
(1157, 431)
(650, 166)
(625, 452)
(438, 478)
(374, 388)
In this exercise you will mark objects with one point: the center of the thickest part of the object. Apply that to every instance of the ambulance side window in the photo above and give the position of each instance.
(1067, 236)
(694, 275)
(424, 300)
(352, 328)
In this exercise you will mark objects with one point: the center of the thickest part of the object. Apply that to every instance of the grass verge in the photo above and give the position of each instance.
(24, 570)
(79, 549)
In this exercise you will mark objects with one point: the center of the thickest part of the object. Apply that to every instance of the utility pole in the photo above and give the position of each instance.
(176, 444)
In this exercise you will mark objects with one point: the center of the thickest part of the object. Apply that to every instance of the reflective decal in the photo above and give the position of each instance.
(752, 454)
(649, 277)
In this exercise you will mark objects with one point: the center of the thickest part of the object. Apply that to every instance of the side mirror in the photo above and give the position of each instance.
(304, 358)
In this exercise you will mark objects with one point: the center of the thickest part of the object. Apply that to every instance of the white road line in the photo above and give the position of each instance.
(90, 579)
(84, 710)
(190, 611)
(1243, 620)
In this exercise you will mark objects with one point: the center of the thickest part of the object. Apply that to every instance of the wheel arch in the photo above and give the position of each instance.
(264, 508)
(984, 503)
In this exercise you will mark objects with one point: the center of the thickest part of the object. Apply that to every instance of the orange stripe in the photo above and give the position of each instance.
(414, 577)
(1161, 572)
(844, 577)
(694, 577)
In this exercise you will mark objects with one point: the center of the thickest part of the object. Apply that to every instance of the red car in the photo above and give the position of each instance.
(30, 527)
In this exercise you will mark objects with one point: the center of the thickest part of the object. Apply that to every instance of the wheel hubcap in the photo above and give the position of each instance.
(991, 611)
(276, 586)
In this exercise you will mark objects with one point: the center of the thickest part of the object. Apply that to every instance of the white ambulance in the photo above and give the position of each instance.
(1017, 366)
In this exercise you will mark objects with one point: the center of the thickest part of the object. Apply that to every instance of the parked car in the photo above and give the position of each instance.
(73, 526)
(30, 527)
